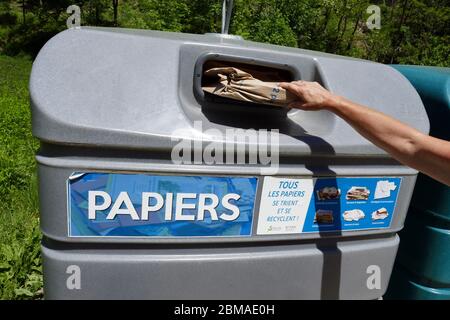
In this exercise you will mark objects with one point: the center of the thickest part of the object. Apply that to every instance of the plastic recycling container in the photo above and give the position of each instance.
(421, 270)
(124, 218)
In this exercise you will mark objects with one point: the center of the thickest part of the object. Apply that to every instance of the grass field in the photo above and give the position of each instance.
(20, 262)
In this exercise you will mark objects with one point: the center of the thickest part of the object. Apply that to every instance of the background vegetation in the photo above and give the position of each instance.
(20, 265)
(412, 32)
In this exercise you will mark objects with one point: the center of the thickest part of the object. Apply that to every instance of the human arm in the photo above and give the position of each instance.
(409, 146)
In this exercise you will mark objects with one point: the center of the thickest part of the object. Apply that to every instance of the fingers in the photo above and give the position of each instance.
(298, 88)
(295, 87)
(299, 82)
(292, 87)
(286, 85)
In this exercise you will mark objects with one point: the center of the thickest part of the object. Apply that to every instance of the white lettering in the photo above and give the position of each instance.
(145, 203)
(153, 202)
(229, 206)
(180, 206)
(211, 208)
(93, 207)
(129, 209)
(168, 212)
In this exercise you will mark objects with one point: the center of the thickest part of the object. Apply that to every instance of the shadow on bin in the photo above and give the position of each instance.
(332, 256)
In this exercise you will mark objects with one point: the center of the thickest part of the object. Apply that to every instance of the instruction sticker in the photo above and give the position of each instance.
(284, 205)
(292, 206)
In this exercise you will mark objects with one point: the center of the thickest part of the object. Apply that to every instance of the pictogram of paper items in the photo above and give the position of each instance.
(383, 189)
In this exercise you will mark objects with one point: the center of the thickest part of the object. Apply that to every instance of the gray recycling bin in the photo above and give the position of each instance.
(122, 220)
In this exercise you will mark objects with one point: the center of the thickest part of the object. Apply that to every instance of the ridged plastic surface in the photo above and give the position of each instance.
(422, 268)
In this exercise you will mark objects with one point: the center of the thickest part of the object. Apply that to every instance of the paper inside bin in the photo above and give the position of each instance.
(236, 84)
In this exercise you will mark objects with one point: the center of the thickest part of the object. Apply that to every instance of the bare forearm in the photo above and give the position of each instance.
(382, 130)
(409, 146)
(404, 143)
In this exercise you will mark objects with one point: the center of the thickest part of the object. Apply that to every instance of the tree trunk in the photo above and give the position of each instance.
(97, 13)
(23, 11)
(340, 36)
(398, 40)
(350, 42)
(115, 5)
(320, 26)
(391, 13)
(343, 17)
(339, 23)
(345, 27)
(326, 20)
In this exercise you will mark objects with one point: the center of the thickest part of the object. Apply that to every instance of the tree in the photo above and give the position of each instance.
(115, 4)
(412, 31)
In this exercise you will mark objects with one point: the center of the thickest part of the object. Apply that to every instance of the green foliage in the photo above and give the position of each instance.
(412, 31)
(33, 25)
(20, 265)
(262, 21)
(153, 14)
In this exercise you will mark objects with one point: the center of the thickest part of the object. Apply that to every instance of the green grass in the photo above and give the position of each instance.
(20, 261)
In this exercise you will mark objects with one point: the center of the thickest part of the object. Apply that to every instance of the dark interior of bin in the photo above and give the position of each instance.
(221, 107)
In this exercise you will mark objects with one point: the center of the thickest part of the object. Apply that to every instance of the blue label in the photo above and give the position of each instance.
(352, 204)
(139, 205)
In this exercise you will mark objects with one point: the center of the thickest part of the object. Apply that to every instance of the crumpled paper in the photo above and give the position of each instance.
(236, 84)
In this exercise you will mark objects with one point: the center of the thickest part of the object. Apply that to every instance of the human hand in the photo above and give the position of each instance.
(311, 95)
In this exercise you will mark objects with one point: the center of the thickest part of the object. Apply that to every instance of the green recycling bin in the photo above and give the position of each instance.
(422, 268)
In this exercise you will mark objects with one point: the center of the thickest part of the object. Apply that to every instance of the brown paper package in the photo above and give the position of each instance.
(236, 84)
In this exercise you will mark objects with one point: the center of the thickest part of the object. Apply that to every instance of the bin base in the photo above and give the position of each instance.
(346, 270)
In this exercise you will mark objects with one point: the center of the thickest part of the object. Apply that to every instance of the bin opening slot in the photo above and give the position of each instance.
(244, 83)
(224, 111)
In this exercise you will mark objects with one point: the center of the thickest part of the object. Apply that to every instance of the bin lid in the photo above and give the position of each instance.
(124, 88)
